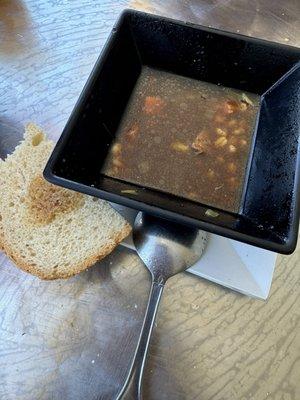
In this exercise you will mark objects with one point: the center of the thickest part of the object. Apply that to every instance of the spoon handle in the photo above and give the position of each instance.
(132, 389)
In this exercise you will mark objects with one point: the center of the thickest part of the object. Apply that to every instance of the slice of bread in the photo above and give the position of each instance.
(48, 231)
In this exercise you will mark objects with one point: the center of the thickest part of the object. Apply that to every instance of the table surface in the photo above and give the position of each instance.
(74, 339)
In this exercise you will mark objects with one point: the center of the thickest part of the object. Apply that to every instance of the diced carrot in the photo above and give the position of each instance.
(153, 105)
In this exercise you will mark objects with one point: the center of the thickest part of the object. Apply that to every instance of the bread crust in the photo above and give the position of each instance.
(76, 269)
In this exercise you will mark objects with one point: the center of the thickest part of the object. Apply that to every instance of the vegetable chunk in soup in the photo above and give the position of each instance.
(185, 137)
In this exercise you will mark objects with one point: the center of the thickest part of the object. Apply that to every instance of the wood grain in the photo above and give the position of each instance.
(276, 21)
(73, 339)
(48, 51)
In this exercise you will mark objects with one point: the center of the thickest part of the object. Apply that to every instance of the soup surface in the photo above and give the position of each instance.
(185, 137)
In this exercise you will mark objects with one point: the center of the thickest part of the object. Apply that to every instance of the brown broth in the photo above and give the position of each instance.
(185, 137)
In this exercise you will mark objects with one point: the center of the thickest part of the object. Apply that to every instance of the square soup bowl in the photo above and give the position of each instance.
(269, 212)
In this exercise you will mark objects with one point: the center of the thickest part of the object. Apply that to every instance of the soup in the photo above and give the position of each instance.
(185, 137)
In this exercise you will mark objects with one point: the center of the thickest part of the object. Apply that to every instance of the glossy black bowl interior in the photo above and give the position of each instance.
(270, 211)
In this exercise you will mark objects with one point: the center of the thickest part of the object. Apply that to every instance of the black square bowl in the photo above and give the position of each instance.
(270, 211)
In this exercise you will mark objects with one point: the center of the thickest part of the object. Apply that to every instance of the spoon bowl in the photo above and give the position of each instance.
(166, 247)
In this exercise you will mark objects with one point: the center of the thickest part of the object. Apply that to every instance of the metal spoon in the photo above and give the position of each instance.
(166, 248)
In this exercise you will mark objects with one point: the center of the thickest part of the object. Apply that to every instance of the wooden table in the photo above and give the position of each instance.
(74, 339)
